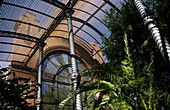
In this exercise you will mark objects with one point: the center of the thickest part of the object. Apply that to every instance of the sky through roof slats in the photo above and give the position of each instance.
(89, 26)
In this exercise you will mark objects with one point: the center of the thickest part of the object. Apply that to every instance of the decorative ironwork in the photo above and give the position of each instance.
(161, 42)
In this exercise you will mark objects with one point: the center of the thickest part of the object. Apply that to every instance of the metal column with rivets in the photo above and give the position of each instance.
(161, 42)
(75, 74)
(39, 93)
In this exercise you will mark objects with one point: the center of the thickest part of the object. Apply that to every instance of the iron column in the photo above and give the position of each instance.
(39, 93)
(161, 42)
(75, 74)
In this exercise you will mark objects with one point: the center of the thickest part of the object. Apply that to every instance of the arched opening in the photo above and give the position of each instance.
(56, 80)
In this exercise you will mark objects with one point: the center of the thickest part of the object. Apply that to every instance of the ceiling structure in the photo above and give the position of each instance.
(50, 21)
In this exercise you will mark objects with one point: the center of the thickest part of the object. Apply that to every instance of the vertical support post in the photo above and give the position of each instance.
(161, 42)
(75, 75)
(39, 93)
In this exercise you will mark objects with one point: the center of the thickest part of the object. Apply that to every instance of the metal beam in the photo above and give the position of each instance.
(39, 93)
(14, 53)
(81, 30)
(11, 61)
(11, 4)
(160, 41)
(94, 5)
(6, 19)
(50, 29)
(57, 4)
(86, 22)
(89, 45)
(89, 25)
(90, 15)
(75, 74)
(8, 43)
(18, 35)
(112, 5)
(46, 34)
(71, 3)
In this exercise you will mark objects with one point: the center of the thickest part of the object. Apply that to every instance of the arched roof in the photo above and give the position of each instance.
(50, 20)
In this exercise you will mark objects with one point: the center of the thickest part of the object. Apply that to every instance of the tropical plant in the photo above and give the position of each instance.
(132, 68)
(14, 93)
(130, 78)
(52, 98)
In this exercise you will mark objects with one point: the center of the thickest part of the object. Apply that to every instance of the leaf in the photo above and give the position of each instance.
(63, 103)
(145, 44)
(125, 69)
(92, 92)
(125, 62)
(105, 100)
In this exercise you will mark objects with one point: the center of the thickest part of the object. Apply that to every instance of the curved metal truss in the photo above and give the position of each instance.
(47, 16)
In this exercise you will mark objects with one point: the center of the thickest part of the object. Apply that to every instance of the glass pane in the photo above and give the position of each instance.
(57, 85)
(4, 56)
(97, 37)
(85, 6)
(81, 15)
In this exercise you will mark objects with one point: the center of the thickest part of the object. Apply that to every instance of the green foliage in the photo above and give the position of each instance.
(135, 76)
(50, 97)
(63, 103)
(56, 99)
(13, 93)
(131, 65)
